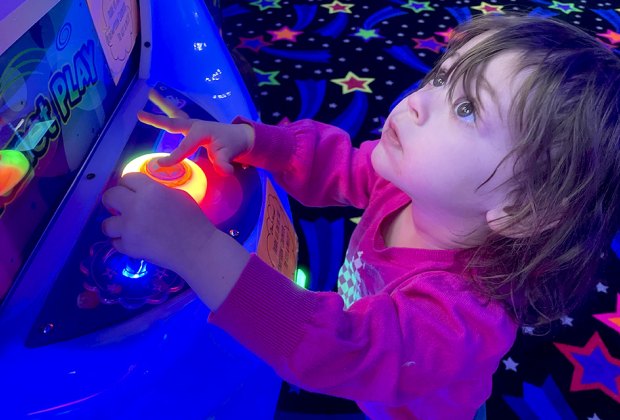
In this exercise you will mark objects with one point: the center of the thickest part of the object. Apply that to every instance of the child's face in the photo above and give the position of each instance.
(439, 152)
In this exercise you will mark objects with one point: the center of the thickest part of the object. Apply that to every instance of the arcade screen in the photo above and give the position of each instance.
(60, 82)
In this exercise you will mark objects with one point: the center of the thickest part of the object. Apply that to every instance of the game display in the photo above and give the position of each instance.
(85, 330)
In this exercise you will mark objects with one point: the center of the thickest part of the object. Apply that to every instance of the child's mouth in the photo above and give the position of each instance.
(389, 134)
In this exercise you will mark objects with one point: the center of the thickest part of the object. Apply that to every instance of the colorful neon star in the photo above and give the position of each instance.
(487, 8)
(266, 4)
(611, 319)
(367, 34)
(285, 33)
(351, 82)
(510, 364)
(337, 7)
(565, 7)
(418, 6)
(254, 44)
(284, 121)
(446, 35)
(613, 37)
(567, 320)
(595, 368)
(266, 77)
(428, 44)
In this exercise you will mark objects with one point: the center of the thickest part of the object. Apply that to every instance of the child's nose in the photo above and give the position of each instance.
(417, 103)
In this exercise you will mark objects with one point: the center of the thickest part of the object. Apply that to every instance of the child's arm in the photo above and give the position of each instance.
(313, 162)
(427, 336)
(166, 227)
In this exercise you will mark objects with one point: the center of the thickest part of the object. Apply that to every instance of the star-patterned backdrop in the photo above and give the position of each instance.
(348, 64)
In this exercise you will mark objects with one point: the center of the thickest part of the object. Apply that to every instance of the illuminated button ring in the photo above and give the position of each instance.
(186, 175)
(113, 278)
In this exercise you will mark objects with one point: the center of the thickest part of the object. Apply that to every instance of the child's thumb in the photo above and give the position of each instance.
(223, 166)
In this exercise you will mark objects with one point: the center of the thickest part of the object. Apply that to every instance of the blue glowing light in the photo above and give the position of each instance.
(135, 269)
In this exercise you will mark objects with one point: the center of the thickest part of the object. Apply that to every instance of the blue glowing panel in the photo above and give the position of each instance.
(56, 95)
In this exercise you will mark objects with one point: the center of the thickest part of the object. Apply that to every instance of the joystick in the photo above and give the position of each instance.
(185, 175)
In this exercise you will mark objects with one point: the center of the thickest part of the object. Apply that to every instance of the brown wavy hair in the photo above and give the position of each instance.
(565, 194)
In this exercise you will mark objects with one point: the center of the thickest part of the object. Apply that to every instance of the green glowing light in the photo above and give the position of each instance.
(13, 167)
(301, 278)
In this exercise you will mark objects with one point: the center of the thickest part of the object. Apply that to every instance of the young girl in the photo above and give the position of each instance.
(489, 198)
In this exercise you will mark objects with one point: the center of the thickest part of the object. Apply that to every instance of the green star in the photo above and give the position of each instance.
(567, 8)
(418, 7)
(367, 34)
(266, 4)
(266, 77)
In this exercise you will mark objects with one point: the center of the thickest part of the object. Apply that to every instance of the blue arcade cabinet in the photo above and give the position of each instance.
(86, 332)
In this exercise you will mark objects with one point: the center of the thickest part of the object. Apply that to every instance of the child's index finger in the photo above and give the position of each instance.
(171, 159)
(177, 155)
(171, 125)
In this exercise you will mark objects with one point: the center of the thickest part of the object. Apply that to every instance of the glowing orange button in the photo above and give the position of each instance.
(171, 176)
(186, 175)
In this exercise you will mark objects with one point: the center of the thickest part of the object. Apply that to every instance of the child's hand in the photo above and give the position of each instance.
(224, 142)
(166, 227)
(150, 221)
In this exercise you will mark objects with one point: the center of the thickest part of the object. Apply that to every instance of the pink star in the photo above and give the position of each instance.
(611, 319)
(254, 44)
(284, 121)
(613, 37)
(428, 44)
(446, 35)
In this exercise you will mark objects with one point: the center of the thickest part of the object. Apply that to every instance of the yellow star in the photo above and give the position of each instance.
(337, 7)
(351, 82)
(487, 8)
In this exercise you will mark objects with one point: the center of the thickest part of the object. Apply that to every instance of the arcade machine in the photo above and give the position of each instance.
(86, 332)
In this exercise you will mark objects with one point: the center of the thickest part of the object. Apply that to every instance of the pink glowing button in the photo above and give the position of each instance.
(186, 175)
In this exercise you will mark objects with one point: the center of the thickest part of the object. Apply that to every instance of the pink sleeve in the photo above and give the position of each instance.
(314, 162)
(387, 348)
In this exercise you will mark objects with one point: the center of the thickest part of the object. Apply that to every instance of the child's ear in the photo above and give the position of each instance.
(502, 223)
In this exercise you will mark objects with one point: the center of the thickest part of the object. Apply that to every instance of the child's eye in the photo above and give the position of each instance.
(439, 79)
(465, 110)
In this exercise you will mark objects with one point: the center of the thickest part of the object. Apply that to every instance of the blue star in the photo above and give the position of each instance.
(597, 369)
